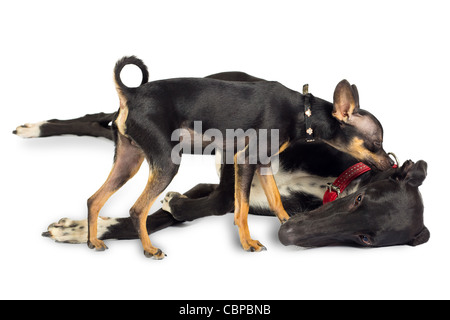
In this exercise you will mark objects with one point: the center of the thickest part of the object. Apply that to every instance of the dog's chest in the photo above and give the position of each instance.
(289, 183)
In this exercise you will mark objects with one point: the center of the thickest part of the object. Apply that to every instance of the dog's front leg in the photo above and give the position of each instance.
(94, 125)
(243, 179)
(272, 193)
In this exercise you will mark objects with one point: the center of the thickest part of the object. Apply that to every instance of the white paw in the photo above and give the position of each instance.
(68, 231)
(29, 130)
(76, 231)
(169, 196)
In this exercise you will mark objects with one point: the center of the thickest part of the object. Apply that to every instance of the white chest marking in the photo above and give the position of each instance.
(289, 183)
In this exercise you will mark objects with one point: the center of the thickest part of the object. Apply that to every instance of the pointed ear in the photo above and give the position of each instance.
(421, 238)
(355, 96)
(345, 101)
(417, 174)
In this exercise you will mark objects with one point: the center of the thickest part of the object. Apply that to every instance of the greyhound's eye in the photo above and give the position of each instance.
(358, 199)
(365, 239)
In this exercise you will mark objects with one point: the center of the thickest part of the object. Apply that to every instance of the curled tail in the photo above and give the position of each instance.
(123, 91)
(126, 61)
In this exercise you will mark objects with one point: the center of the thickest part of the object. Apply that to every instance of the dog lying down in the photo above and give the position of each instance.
(385, 210)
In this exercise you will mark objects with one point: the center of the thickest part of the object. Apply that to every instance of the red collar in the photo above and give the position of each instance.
(342, 182)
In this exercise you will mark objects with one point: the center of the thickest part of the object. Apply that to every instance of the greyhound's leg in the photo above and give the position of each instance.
(94, 125)
(76, 231)
(218, 202)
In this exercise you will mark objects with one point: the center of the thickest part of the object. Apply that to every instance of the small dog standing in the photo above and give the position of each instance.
(149, 114)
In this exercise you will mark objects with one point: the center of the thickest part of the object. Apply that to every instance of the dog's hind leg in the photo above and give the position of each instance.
(128, 160)
(75, 231)
(158, 180)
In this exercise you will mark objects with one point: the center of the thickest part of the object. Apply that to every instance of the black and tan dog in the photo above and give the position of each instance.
(149, 114)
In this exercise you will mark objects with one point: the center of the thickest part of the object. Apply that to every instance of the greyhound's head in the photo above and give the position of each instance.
(386, 212)
(360, 134)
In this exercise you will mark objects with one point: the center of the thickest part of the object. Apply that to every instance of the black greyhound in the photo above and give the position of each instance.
(377, 208)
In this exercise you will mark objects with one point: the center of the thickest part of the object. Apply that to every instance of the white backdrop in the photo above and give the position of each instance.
(57, 60)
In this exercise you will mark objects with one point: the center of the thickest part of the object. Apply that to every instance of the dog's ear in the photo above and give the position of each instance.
(356, 97)
(421, 238)
(345, 101)
(417, 174)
